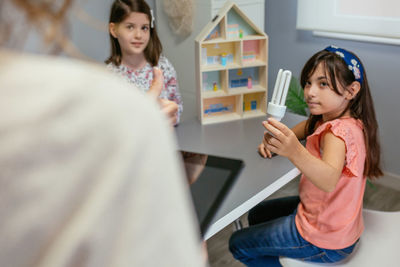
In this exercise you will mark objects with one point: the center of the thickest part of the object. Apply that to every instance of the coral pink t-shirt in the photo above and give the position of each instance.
(334, 220)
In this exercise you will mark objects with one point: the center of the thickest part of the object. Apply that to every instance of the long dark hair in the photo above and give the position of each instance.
(120, 10)
(361, 106)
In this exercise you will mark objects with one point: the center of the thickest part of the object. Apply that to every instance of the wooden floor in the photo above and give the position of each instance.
(382, 195)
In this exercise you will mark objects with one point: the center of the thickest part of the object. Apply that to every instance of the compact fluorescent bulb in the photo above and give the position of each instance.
(276, 107)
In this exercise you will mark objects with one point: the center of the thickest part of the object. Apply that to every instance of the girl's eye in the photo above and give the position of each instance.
(145, 28)
(323, 84)
(308, 83)
(129, 27)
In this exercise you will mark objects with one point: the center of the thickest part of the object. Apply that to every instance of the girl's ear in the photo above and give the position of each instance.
(352, 90)
(112, 29)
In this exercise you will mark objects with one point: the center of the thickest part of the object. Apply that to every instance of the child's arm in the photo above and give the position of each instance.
(157, 83)
(168, 107)
(173, 94)
(171, 85)
(324, 173)
(299, 131)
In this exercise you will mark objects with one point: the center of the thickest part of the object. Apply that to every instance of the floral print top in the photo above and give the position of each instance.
(143, 79)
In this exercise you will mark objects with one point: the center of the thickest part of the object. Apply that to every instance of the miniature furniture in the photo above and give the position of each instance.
(378, 245)
(232, 56)
(181, 51)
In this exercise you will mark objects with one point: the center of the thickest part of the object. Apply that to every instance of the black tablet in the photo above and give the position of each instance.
(211, 179)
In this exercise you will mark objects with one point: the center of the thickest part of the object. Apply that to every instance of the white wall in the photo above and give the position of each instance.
(91, 41)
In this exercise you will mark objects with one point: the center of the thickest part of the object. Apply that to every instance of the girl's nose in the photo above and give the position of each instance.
(137, 34)
(311, 90)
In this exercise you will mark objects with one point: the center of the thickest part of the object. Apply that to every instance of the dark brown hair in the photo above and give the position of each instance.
(120, 10)
(361, 106)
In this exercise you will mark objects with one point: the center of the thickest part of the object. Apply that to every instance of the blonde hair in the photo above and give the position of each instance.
(47, 17)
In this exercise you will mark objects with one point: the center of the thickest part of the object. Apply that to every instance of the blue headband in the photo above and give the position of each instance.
(350, 60)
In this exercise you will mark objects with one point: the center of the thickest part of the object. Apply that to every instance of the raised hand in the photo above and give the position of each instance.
(280, 140)
(157, 84)
(170, 109)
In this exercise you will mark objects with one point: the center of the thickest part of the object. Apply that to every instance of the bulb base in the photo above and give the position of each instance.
(276, 111)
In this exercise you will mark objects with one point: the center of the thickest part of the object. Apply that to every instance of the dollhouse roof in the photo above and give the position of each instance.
(223, 12)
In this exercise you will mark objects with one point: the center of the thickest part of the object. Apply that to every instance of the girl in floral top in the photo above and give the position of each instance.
(323, 223)
(136, 55)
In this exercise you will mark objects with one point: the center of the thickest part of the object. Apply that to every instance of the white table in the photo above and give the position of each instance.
(239, 139)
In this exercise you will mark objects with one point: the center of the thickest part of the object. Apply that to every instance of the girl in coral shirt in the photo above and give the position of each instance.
(324, 223)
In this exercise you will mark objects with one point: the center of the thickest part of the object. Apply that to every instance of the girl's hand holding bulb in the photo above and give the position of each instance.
(279, 139)
(276, 110)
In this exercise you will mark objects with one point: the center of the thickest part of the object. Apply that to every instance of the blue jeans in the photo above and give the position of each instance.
(273, 233)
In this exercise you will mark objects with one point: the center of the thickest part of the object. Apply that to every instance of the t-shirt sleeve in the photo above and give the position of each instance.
(345, 132)
(171, 85)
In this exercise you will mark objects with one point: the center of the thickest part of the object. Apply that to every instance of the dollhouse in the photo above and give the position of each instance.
(231, 67)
